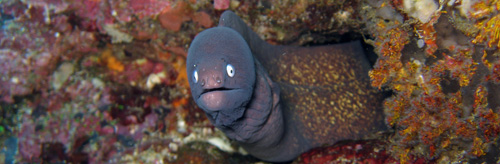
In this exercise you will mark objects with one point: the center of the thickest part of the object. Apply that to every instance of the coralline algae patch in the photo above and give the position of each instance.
(103, 81)
(441, 62)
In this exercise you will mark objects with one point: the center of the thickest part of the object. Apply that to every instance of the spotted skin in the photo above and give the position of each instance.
(302, 97)
(339, 102)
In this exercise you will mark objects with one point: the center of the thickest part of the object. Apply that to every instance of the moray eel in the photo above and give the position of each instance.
(280, 101)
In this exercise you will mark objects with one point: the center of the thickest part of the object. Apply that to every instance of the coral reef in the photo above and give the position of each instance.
(440, 70)
(104, 81)
(87, 81)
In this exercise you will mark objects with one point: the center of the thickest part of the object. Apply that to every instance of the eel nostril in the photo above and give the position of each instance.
(218, 80)
(202, 83)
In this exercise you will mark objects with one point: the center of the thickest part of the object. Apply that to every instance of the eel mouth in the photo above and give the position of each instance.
(224, 105)
(216, 99)
(214, 90)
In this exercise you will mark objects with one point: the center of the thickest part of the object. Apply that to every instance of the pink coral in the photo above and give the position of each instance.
(147, 8)
(221, 4)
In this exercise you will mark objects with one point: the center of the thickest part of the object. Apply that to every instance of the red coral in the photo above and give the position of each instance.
(370, 151)
(203, 19)
(172, 18)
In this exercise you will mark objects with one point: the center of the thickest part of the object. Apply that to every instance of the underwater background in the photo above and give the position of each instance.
(104, 81)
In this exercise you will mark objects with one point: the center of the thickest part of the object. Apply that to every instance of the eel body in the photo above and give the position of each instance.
(280, 101)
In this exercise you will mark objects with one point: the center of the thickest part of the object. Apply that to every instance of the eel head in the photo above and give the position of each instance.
(221, 74)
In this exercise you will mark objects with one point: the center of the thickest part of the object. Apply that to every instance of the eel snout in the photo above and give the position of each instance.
(216, 99)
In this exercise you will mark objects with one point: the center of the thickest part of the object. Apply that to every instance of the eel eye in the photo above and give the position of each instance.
(195, 76)
(230, 70)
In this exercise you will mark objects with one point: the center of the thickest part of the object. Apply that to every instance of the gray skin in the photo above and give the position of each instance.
(274, 113)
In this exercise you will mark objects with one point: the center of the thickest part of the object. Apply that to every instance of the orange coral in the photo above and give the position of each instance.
(389, 46)
(490, 28)
(428, 34)
(110, 61)
(180, 65)
(490, 33)
(478, 147)
(422, 113)
(461, 66)
(180, 102)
